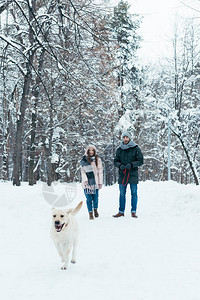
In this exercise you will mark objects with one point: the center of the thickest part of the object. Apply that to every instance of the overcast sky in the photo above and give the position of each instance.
(158, 21)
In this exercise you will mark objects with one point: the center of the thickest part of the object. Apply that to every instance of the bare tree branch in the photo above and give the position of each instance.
(4, 5)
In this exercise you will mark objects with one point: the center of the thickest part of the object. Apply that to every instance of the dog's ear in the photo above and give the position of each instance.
(53, 208)
(68, 211)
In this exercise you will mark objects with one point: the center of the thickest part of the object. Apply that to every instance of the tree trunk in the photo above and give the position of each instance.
(32, 179)
(48, 151)
(48, 165)
(196, 179)
(32, 146)
(17, 159)
(191, 164)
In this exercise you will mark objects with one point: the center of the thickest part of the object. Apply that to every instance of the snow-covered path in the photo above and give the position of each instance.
(154, 257)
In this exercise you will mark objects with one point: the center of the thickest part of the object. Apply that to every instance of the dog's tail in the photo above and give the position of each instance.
(76, 209)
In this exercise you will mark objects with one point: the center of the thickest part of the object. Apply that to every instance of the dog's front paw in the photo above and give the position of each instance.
(73, 261)
(64, 267)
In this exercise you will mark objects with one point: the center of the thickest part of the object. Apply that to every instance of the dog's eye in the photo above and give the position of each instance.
(54, 216)
(62, 216)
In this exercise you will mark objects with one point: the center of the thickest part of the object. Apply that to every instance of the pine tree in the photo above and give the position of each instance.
(124, 28)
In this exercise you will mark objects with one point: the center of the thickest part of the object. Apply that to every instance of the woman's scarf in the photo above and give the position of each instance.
(87, 167)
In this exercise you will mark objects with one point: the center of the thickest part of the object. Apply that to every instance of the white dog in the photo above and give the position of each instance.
(64, 233)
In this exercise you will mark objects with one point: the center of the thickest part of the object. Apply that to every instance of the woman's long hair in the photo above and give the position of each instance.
(95, 156)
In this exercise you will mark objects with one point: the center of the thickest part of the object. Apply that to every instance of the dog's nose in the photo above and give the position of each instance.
(57, 222)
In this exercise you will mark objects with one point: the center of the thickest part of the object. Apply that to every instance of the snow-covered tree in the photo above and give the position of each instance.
(172, 99)
(124, 27)
(59, 54)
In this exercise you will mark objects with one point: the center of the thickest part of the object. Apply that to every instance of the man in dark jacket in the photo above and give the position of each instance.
(128, 158)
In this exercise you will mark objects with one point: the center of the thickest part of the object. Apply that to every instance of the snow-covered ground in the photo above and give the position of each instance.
(154, 257)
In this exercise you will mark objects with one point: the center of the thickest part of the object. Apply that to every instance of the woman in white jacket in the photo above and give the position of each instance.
(92, 179)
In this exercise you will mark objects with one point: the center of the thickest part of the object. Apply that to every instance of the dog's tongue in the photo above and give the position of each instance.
(59, 227)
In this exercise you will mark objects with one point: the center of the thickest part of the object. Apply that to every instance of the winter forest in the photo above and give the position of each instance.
(70, 76)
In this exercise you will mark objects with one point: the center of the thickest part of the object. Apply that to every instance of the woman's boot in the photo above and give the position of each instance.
(91, 216)
(96, 214)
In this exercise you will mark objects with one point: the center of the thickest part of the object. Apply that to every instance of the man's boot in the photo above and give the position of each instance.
(118, 215)
(133, 215)
(91, 216)
(96, 214)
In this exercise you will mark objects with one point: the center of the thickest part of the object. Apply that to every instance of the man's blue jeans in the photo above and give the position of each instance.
(122, 197)
(92, 200)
